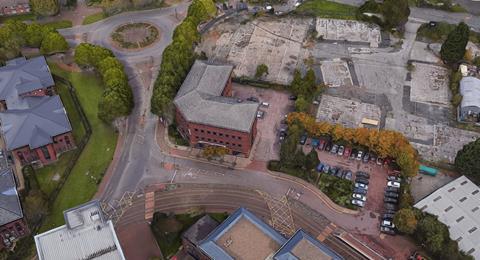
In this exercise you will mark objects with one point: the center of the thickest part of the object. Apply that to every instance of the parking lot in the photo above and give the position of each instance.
(267, 144)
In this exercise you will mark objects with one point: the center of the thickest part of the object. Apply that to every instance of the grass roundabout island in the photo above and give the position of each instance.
(135, 35)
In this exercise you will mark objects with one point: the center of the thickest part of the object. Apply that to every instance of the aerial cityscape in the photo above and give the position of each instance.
(239, 129)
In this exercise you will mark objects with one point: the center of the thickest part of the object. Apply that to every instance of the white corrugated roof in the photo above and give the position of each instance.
(457, 205)
(470, 90)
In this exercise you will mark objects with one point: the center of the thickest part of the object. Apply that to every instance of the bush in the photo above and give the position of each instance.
(456, 100)
(338, 190)
(262, 70)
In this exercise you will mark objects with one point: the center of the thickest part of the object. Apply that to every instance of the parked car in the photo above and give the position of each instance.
(391, 195)
(292, 97)
(328, 146)
(388, 216)
(265, 104)
(362, 175)
(321, 144)
(341, 149)
(339, 172)
(303, 139)
(387, 223)
(394, 178)
(282, 135)
(379, 161)
(387, 230)
(361, 180)
(359, 155)
(334, 149)
(390, 200)
(333, 170)
(360, 191)
(326, 168)
(320, 167)
(392, 189)
(253, 99)
(260, 114)
(358, 203)
(390, 206)
(373, 158)
(359, 197)
(393, 184)
(366, 158)
(1, 154)
(348, 175)
(361, 185)
(390, 211)
(347, 152)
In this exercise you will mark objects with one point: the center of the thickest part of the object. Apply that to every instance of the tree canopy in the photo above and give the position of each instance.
(262, 70)
(405, 221)
(467, 160)
(453, 49)
(395, 13)
(53, 42)
(45, 7)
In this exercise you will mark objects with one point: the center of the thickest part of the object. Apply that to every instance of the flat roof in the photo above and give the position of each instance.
(457, 205)
(302, 246)
(86, 235)
(242, 236)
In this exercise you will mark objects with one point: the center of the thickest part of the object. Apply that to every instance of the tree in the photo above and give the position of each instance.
(453, 49)
(262, 70)
(35, 33)
(467, 160)
(301, 105)
(109, 63)
(53, 42)
(296, 84)
(432, 233)
(405, 221)
(395, 13)
(45, 7)
(312, 160)
(309, 82)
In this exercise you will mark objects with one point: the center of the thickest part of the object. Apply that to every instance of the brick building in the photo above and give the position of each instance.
(33, 120)
(12, 223)
(207, 114)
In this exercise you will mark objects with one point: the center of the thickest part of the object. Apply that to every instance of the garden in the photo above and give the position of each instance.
(135, 35)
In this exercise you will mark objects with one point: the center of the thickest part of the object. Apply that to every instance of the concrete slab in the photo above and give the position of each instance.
(345, 30)
(430, 84)
(335, 73)
(421, 52)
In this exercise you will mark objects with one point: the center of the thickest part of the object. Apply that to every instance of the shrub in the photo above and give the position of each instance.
(262, 70)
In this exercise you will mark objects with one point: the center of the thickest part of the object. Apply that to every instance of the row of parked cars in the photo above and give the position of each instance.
(390, 199)
(335, 171)
(359, 196)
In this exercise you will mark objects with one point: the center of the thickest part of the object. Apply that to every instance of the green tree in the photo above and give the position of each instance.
(297, 83)
(467, 160)
(405, 221)
(109, 63)
(312, 160)
(34, 34)
(453, 49)
(301, 105)
(187, 30)
(45, 7)
(395, 13)
(432, 233)
(53, 42)
(289, 147)
(309, 82)
(83, 53)
(262, 70)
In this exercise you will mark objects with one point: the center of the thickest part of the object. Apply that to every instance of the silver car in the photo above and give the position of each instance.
(358, 203)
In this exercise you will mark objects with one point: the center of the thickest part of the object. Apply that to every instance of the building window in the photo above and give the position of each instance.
(463, 199)
(424, 207)
(214, 133)
(448, 209)
(475, 209)
(221, 142)
(208, 132)
(67, 140)
(227, 143)
(437, 198)
(203, 138)
(220, 134)
(460, 219)
(239, 138)
(201, 130)
(209, 139)
(196, 129)
(463, 183)
(227, 135)
(458, 239)
(20, 156)
(452, 189)
(45, 152)
(239, 145)
(475, 192)
(472, 230)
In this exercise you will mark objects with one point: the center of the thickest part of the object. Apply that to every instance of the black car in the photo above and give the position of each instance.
(390, 206)
(390, 211)
(391, 194)
(366, 158)
(292, 97)
(390, 200)
(360, 191)
(328, 147)
(353, 154)
(253, 99)
(373, 158)
(388, 216)
(333, 171)
(392, 189)
(361, 180)
(387, 230)
(340, 173)
(303, 139)
(361, 174)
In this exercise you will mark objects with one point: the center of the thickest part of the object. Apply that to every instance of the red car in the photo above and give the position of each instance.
(321, 144)
(347, 152)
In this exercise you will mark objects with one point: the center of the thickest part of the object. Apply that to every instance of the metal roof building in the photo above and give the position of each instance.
(470, 90)
(200, 99)
(10, 207)
(457, 205)
(86, 235)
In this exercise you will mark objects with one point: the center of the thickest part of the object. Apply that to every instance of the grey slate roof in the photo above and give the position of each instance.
(200, 229)
(301, 246)
(20, 76)
(470, 90)
(10, 208)
(199, 99)
(35, 126)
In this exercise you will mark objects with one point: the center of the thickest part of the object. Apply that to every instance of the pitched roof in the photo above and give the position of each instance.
(21, 76)
(10, 207)
(200, 229)
(199, 99)
(37, 125)
(301, 246)
(470, 90)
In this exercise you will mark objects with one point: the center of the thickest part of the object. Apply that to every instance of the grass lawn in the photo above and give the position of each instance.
(60, 24)
(21, 17)
(440, 32)
(94, 18)
(95, 158)
(327, 9)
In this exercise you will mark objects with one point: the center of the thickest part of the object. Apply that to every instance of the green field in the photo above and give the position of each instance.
(94, 18)
(81, 185)
(327, 9)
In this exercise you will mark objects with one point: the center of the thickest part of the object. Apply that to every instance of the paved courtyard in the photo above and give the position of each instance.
(346, 112)
(430, 84)
(345, 30)
(335, 73)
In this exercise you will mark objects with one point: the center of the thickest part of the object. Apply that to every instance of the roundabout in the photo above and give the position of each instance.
(134, 36)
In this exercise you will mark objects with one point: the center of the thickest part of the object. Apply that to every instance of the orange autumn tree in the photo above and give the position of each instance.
(386, 143)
